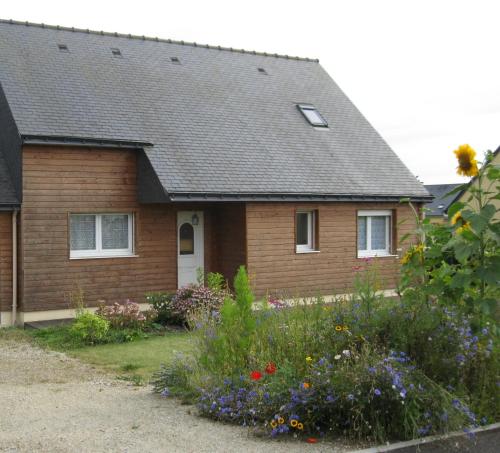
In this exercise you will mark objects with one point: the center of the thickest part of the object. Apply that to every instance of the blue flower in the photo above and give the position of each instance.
(377, 392)
(372, 370)
(165, 392)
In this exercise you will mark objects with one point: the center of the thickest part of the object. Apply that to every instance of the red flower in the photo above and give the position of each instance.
(255, 375)
(270, 368)
(312, 440)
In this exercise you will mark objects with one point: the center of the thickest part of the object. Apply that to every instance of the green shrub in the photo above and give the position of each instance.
(89, 328)
(162, 304)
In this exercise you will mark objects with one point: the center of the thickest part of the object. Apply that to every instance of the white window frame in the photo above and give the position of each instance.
(311, 229)
(369, 252)
(99, 252)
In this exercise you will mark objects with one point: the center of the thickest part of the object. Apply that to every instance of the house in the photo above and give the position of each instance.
(135, 161)
(437, 208)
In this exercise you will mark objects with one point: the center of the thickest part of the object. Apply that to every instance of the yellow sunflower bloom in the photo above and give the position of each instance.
(309, 359)
(281, 420)
(294, 423)
(467, 163)
(344, 327)
(300, 426)
(274, 424)
(462, 224)
(338, 328)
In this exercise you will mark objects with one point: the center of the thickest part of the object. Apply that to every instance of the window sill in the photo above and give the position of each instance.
(91, 257)
(377, 256)
(300, 252)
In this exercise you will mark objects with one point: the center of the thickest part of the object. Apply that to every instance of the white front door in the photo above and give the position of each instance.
(190, 248)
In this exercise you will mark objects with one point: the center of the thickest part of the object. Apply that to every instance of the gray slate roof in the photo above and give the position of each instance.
(440, 204)
(7, 193)
(217, 124)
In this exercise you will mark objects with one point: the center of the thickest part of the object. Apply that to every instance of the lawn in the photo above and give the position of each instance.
(135, 361)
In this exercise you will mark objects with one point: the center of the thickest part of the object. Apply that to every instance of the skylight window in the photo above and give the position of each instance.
(312, 115)
(262, 71)
(63, 48)
(116, 52)
(175, 60)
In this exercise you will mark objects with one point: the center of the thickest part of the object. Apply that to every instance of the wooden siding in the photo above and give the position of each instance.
(59, 181)
(231, 239)
(5, 261)
(62, 180)
(275, 267)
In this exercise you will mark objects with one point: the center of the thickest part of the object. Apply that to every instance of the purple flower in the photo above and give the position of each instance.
(372, 370)
(377, 392)
(165, 392)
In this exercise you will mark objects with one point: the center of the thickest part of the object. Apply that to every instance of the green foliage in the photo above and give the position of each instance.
(162, 304)
(363, 367)
(216, 281)
(89, 328)
(230, 348)
(459, 263)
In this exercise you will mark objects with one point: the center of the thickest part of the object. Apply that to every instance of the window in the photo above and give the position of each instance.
(374, 233)
(63, 48)
(186, 239)
(312, 115)
(175, 60)
(100, 235)
(116, 52)
(262, 71)
(305, 231)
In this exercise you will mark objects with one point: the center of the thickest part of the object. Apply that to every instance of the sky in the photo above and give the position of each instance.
(425, 73)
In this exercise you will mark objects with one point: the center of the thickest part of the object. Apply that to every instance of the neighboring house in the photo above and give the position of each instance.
(437, 208)
(137, 161)
(465, 195)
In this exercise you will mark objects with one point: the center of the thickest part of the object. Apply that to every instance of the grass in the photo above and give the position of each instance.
(134, 361)
(137, 359)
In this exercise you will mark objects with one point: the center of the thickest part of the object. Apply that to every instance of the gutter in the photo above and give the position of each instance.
(14, 267)
(283, 197)
(83, 141)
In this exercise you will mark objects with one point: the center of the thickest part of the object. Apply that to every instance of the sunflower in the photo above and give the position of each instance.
(294, 423)
(338, 328)
(281, 420)
(467, 163)
(457, 217)
(460, 222)
(300, 426)
(274, 424)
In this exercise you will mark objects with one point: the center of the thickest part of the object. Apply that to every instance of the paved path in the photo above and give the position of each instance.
(52, 403)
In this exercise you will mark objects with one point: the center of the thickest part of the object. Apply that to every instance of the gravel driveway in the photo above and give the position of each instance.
(52, 403)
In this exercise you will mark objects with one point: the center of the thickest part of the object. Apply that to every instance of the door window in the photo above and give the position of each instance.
(186, 239)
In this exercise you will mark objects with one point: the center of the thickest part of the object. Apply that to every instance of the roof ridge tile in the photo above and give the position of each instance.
(153, 39)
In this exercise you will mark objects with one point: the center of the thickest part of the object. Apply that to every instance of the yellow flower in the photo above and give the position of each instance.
(281, 420)
(344, 327)
(274, 424)
(309, 359)
(457, 219)
(467, 163)
(306, 385)
(294, 423)
(300, 426)
(338, 328)
(411, 252)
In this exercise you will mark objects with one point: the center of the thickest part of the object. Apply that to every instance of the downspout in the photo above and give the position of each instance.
(14, 267)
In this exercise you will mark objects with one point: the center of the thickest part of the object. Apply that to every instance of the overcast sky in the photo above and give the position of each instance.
(425, 73)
